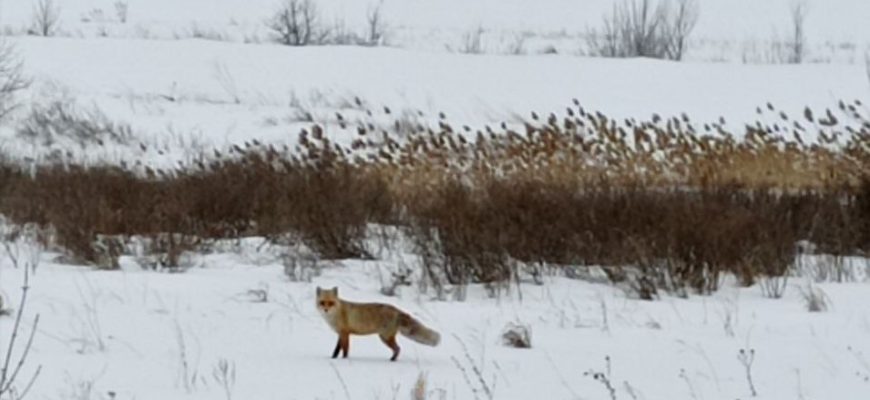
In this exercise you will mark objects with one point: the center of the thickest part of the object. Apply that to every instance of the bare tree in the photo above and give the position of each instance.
(12, 79)
(296, 23)
(46, 15)
(646, 28)
(375, 23)
(797, 44)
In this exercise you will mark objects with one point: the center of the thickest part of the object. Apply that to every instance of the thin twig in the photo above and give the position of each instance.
(30, 383)
(746, 358)
(25, 352)
(4, 383)
(7, 379)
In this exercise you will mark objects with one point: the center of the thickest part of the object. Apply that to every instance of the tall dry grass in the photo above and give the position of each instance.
(664, 204)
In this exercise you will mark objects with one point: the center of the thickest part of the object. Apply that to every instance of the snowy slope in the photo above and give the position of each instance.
(178, 94)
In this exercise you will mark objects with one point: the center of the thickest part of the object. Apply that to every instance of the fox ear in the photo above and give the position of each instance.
(318, 290)
(335, 290)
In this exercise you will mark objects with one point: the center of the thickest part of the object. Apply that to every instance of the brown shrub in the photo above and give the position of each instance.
(327, 207)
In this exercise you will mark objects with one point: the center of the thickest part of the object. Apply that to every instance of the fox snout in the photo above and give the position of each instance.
(326, 305)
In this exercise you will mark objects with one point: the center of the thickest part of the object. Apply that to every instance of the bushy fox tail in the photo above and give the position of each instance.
(414, 330)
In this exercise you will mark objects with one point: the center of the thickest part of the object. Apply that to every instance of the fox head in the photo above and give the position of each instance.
(327, 299)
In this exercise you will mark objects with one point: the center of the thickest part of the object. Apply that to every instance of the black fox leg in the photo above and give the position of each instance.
(337, 348)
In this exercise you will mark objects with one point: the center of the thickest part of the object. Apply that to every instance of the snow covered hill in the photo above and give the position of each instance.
(184, 97)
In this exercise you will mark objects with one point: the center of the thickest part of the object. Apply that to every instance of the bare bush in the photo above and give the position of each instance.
(297, 23)
(472, 41)
(646, 28)
(122, 11)
(682, 20)
(322, 200)
(773, 287)
(457, 230)
(376, 27)
(206, 33)
(677, 240)
(46, 17)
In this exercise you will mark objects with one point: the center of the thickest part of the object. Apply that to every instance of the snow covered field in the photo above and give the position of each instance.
(141, 334)
(137, 334)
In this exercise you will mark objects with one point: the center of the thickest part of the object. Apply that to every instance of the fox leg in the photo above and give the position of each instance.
(344, 343)
(337, 348)
(390, 341)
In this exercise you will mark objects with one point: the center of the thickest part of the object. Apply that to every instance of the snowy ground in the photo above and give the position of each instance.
(142, 334)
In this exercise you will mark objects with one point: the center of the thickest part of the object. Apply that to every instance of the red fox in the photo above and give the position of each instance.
(347, 318)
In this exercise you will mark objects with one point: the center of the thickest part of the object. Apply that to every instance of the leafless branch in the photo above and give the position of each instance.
(8, 377)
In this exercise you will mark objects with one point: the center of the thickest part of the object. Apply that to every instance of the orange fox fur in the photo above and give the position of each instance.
(347, 318)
